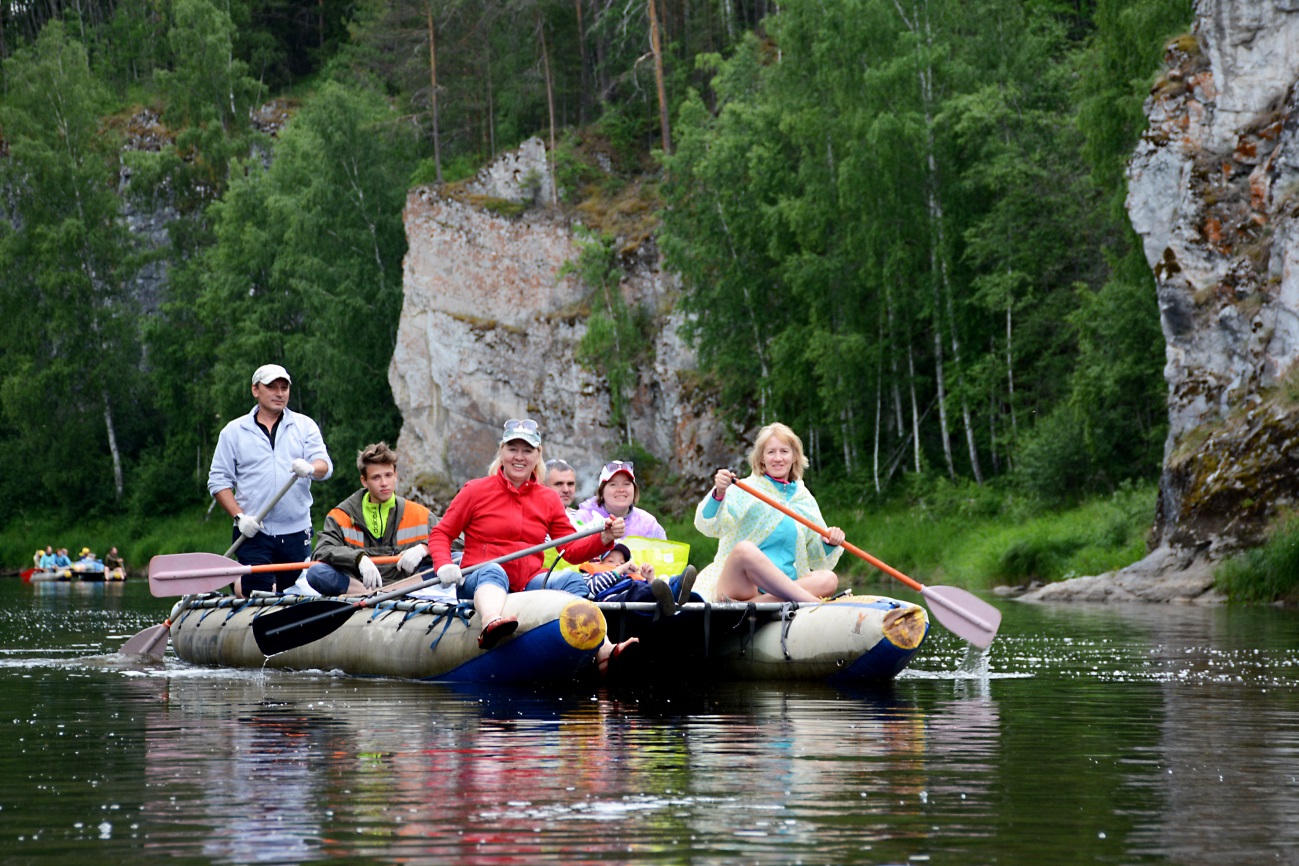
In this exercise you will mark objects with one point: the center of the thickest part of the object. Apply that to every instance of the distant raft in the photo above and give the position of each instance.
(76, 572)
(849, 641)
(557, 639)
(852, 640)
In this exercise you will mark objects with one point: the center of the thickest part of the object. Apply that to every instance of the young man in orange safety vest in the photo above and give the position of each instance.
(373, 521)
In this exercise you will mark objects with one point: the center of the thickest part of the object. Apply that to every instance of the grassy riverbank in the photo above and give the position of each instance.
(137, 540)
(961, 535)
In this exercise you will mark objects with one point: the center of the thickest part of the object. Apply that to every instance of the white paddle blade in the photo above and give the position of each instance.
(963, 614)
(191, 573)
(152, 642)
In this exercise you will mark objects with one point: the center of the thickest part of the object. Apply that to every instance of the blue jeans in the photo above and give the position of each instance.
(494, 575)
(263, 549)
(328, 580)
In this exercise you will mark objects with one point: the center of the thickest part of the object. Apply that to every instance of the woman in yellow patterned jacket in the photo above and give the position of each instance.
(761, 551)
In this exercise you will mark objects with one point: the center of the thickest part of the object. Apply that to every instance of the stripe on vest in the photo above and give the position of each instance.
(407, 534)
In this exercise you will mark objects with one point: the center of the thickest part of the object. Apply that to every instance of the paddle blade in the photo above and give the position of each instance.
(151, 642)
(282, 630)
(963, 614)
(191, 573)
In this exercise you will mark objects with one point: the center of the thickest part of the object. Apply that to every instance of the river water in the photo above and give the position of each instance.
(1110, 735)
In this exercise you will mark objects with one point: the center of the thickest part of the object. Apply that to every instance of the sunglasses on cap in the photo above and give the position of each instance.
(620, 466)
(527, 425)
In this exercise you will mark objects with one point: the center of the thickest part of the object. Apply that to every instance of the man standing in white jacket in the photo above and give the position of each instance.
(255, 456)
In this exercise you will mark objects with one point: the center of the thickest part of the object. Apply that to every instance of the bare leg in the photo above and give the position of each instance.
(747, 569)
(489, 601)
(821, 583)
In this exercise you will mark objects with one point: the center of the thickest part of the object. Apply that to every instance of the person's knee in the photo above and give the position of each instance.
(571, 582)
(822, 583)
(487, 575)
(327, 581)
(746, 550)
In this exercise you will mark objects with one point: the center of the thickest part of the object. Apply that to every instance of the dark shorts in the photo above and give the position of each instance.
(263, 549)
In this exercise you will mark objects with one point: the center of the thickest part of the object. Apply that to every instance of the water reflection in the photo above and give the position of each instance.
(280, 769)
(1110, 735)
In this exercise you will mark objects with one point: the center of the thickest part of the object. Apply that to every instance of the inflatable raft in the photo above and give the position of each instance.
(852, 640)
(557, 639)
(76, 572)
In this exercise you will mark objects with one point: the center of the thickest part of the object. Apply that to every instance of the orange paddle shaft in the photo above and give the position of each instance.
(290, 566)
(851, 548)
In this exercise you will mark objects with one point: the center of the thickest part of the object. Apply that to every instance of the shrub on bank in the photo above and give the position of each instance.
(1264, 574)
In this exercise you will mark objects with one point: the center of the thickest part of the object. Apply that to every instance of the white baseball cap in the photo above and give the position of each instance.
(268, 373)
(525, 430)
(613, 467)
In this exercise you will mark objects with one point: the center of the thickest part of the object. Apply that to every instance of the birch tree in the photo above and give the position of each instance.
(70, 358)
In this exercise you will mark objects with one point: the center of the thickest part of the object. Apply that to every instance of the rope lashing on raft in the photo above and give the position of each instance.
(440, 611)
(751, 617)
(229, 602)
(787, 612)
(463, 612)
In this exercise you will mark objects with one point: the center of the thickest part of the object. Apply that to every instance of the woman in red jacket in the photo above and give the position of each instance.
(508, 510)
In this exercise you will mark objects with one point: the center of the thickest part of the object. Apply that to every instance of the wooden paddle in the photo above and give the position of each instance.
(308, 621)
(964, 614)
(152, 642)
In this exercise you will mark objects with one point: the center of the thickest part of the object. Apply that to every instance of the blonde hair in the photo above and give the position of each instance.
(538, 471)
(377, 454)
(766, 434)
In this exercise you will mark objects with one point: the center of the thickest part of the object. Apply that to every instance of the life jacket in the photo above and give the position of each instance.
(412, 527)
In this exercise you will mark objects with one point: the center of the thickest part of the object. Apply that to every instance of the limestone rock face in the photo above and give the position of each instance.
(1214, 194)
(489, 329)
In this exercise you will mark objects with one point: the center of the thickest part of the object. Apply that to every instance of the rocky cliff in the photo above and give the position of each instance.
(489, 329)
(1214, 195)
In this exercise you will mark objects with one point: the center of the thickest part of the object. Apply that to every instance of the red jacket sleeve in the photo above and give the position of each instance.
(448, 529)
(582, 550)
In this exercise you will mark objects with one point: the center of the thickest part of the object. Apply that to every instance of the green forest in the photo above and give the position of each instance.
(898, 224)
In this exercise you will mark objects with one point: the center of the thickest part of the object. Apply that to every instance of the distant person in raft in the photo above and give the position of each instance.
(256, 455)
(508, 510)
(373, 521)
(761, 551)
(114, 565)
(61, 558)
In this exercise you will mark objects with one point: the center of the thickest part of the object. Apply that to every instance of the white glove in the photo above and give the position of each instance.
(303, 469)
(370, 573)
(411, 558)
(248, 525)
(450, 575)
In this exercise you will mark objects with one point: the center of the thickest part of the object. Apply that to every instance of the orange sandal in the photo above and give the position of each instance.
(496, 631)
